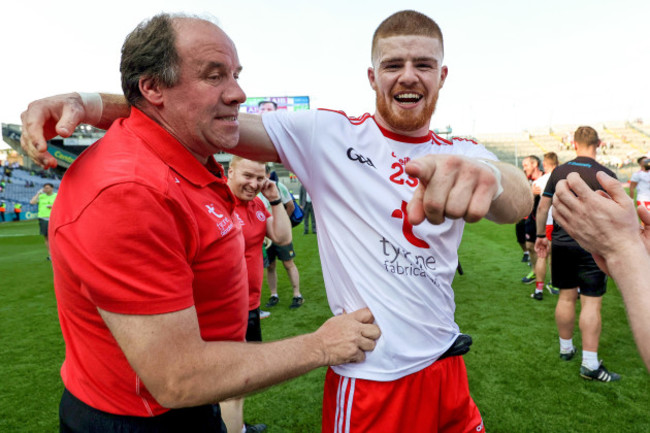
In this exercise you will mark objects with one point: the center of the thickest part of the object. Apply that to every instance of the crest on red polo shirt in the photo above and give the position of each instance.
(224, 224)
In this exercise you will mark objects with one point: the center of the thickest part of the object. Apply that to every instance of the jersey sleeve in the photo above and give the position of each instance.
(549, 191)
(138, 262)
(291, 134)
(635, 177)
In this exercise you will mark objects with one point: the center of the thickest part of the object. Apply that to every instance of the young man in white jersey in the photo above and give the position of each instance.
(373, 180)
(550, 162)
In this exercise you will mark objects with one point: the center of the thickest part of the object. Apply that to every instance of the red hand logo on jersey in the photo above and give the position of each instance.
(407, 228)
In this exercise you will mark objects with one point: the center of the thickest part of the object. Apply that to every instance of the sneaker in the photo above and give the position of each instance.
(264, 314)
(601, 374)
(552, 290)
(273, 301)
(530, 278)
(526, 257)
(297, 302)
(567, 356)
(539, 296)
(254, 428)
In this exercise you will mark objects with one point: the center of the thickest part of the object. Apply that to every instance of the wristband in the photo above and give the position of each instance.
(93, 106)
(276, 202)
(497, 174)
(541, 236)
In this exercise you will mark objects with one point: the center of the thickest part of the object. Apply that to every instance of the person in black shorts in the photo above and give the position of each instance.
(574, 268)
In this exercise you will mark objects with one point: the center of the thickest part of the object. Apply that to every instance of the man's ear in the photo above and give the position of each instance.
(150, 90)
(371, 78)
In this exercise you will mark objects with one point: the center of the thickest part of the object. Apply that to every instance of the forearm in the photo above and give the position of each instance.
(629, 269)
(227, 369)
(113, 107)
(542, 214)
(280, 226)
(516, 201)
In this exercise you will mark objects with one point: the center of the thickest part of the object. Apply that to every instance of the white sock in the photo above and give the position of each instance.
(566, 346)
(243, 429)
(590, 359)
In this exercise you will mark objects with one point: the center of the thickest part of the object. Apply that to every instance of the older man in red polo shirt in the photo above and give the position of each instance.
(153, 301)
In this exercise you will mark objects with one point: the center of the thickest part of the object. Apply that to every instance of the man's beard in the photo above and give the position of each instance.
(405, 121)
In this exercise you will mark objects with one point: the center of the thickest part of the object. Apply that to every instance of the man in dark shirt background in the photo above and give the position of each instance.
(574, 270)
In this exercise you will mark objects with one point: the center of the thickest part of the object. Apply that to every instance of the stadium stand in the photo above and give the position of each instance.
(622, 143)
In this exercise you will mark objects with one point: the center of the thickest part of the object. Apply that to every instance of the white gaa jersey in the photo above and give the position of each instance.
(371, 256)
(643, 185)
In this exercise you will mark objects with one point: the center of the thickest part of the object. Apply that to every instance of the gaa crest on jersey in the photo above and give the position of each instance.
(260, 215)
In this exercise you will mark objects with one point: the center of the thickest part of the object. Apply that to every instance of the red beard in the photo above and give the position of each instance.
(404, 120)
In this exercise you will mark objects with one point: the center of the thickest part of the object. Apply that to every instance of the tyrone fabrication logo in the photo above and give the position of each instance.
(407, 227)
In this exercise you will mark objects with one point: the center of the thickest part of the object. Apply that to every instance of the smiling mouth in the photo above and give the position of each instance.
(228, 118)
(408, 98)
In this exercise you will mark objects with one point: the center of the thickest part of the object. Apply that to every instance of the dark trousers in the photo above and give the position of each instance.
(308, 210)
(76, 416)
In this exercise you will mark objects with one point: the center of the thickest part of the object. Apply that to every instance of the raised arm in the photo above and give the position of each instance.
(608, 228)
(180, 369)
(452, 186)
(46, 118)
(278, 227)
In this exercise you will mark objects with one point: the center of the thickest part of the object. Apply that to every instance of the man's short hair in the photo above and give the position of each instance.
(236, 159)
(586, 135)
(640, 159)
(406, 23)
(552, 158)
(150, 51)
(48, 184)
(275, 106)
(535, 159)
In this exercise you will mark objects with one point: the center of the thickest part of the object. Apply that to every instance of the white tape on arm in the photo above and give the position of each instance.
(93, 105)
(497, 174)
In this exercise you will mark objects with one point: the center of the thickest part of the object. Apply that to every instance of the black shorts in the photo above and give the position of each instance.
(43, 225)
(520, 230)
(573, 267)
(75, 416)
(531, 229)
(254, 329)
(284, 252)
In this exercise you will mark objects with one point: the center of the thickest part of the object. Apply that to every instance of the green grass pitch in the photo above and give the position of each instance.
(516, 377)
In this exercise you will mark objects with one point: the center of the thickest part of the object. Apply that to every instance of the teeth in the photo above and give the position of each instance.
(408, 97)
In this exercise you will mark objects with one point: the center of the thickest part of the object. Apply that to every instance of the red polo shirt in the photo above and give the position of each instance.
(141, 227)
(252, 217)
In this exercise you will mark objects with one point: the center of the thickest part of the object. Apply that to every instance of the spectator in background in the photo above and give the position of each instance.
(18, 208)
(266, 106)
(573, 268)
(3, 210)
(550, 163)
(44, 198)
(308, 209)
(640, 183)
(532, 169)
(607, 227)
(246, 179)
